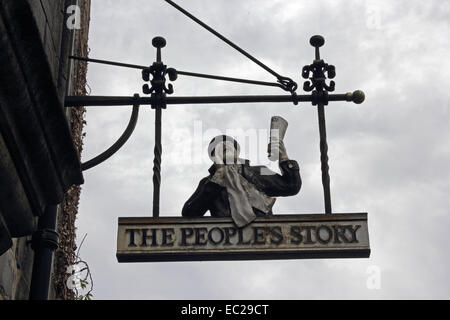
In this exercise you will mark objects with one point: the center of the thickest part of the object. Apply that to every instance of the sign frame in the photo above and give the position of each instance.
(189, 252)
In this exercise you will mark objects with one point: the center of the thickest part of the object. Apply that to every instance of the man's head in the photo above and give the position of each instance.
(223, 149)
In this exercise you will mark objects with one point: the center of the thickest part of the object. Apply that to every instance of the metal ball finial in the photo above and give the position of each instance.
(358, 96)
(159, 42)
(317, 41)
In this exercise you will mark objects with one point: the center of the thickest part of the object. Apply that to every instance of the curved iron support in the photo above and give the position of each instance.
(119, 143)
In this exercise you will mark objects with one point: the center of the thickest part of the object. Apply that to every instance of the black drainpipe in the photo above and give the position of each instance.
(44, 242)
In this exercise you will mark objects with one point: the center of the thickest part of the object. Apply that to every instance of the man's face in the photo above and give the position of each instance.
(225, 153)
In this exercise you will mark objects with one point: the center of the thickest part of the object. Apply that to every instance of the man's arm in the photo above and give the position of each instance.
(199, 202)
(286, 184)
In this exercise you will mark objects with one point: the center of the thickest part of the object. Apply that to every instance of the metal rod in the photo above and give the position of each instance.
(75, 101)
(158, 43)
(204, 25)
(215, 77)
(112, 63)
(317, 53)
(157, 163)
(324, 158)
(234, 99)
(183, 73)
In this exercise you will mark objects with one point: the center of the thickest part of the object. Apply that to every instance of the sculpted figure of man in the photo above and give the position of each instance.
(237, 189)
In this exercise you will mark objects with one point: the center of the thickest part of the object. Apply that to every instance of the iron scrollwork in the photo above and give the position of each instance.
(320, 72)
(158, 71)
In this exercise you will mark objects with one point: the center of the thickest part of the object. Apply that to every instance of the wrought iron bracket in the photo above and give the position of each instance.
(317, 74)
(120, 142)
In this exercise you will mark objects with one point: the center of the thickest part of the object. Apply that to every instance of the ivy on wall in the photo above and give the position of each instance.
(65, 255)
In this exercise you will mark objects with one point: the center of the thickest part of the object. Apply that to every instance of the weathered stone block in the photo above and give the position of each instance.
(9, 275)
(24, 258)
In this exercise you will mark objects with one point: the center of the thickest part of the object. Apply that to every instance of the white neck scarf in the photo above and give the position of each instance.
(242, 195)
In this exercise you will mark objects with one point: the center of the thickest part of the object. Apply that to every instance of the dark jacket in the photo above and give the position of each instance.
(213, 197)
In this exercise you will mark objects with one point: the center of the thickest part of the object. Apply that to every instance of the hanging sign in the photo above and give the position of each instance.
(273, 237)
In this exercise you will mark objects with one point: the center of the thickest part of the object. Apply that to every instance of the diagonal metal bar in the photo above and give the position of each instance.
(183, 73)
(215, 77)
(281, 79)
(112, 63)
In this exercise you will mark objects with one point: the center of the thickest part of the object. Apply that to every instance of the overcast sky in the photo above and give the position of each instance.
(388, 156)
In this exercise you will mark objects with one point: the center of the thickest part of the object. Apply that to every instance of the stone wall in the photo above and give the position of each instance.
(58, 42)
(15, 270)
(65, 255)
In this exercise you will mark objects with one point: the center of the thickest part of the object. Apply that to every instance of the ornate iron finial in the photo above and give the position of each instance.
(317, 41)
(158, 70)
(318, 68)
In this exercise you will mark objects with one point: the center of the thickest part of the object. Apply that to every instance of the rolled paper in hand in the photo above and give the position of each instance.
(278, 127)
